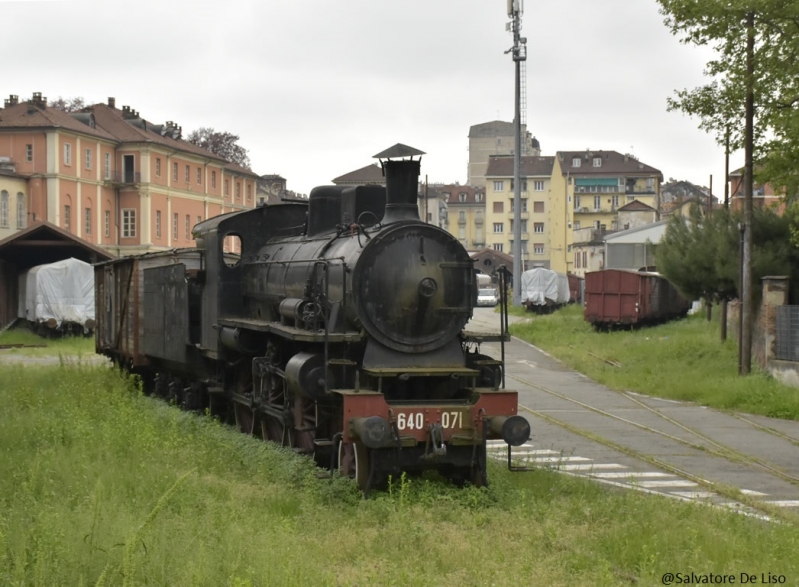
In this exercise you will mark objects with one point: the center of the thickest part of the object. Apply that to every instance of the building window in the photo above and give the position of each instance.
(499, 227)
(498, 207)
(188, 231)
(175, 226)
(67, 217)
(538, 227)
(67, 154)
(499, 186)
(213, 179)
(88, 158)
(597, 161)
(188, 170)
(238, 190)
(128, 223)
(158, 166)
(158, 224)
(28, 153)
(249, 192)
(461, 197)
(538, 207)
(199, 219)
(87, 221)
(4, 209)
(498, 247)
(478, 198)
(107, 166)
(108, 223)
(576, 162)
(538, 249)
(199, 175)
(597, 202)
(174, 172)
(576, 202)
(538, 186)
(585, 259)
(614, 201)
(21, 210)
(227, 187)
(650, 183)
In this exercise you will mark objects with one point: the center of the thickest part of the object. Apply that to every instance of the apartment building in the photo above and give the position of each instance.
(115, 179)
(763, 196)
(536, 207)
(588, 188)
(467, 212)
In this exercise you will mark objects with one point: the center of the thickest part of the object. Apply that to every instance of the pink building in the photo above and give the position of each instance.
(115, 179)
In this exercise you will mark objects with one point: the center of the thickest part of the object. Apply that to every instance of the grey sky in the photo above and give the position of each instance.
(315, 88)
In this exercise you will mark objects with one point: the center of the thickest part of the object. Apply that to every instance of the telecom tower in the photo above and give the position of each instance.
(519, 53)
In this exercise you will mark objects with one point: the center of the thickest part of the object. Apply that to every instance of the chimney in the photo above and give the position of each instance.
(402, 181)
(112, 102)
(12, 100)
(38, 101)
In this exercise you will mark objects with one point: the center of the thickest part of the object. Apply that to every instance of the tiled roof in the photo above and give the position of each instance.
(370, 174)
(613, 162)
(636, 206)
(235, 167)
(455, 191)
(502, 166)
(28, 115)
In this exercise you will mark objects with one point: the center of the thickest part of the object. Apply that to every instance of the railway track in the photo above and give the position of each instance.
(643, 443)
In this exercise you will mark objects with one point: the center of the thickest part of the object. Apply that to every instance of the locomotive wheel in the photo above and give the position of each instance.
(353, 461)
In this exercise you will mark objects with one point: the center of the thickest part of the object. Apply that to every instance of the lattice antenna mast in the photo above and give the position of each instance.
(519, 53)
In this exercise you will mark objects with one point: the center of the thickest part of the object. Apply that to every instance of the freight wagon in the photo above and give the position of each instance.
(617, 297)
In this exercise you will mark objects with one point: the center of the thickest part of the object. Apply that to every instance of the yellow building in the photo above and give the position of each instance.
(536, 212)
(587, 189)
(13, 200)
(466, 214)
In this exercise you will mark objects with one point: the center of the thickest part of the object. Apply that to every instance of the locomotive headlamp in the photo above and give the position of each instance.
(515, 430)
(373, 432)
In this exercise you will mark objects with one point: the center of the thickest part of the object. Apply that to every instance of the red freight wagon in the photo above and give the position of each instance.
(616, 296)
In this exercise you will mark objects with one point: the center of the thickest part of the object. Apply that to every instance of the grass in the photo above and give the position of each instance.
(102, 486)
(68, 345)
(682, 360)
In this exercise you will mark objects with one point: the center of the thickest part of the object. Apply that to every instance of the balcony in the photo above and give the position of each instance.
(631, 191)
(123, 178)
(524, 216)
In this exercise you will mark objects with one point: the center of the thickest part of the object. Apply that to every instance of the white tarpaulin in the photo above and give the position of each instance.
(61, 291)
(540, 285)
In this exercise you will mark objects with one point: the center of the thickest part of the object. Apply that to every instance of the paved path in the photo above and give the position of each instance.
(661, 446)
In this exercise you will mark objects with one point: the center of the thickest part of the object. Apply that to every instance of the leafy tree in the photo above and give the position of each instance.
(68, 104)
(224, 144)
(720, 104)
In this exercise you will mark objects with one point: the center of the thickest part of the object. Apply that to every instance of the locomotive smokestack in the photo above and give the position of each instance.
(402, 181)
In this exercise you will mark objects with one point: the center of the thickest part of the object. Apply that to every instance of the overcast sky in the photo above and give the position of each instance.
(314, 88)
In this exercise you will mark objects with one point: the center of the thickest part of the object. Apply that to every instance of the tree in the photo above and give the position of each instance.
(68, 104)
(752, 101)
(224, 144)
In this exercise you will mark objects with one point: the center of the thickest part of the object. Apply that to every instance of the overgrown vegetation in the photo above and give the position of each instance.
(681, 360)
(102, 486)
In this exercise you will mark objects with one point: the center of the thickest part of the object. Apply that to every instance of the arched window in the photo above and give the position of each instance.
(21, 212)
(4, 209)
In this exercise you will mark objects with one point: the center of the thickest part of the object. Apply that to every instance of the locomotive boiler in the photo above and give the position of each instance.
(338, 331)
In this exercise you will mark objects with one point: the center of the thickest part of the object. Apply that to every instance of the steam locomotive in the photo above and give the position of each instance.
(338, 331)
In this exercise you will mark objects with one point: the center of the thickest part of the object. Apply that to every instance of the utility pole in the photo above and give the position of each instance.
(726, 209)
(745, 354)
(519, 53)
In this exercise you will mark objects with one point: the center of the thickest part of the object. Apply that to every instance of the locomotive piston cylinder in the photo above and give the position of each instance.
(305, 375)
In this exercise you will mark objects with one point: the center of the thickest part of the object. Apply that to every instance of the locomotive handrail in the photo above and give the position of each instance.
(290, 261)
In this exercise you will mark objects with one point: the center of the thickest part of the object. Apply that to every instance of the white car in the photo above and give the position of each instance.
(487, 297)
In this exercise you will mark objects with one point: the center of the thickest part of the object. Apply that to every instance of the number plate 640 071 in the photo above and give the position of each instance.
(417, 420)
